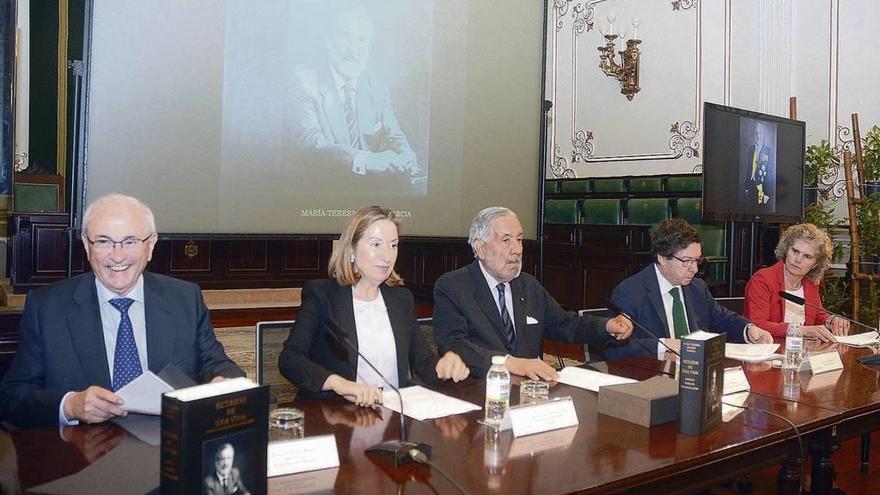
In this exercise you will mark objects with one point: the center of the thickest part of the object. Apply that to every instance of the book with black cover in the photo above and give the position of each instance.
(214, 438)
(701, 382)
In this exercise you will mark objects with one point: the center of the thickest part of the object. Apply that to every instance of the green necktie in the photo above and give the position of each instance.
(679, 320)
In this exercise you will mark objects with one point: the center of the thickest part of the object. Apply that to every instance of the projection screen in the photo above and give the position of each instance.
(284, 116)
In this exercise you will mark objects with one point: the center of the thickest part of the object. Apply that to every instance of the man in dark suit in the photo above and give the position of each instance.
(226, 479)
(84, 338)
(666, 298)
(489, 308)
(340, 116)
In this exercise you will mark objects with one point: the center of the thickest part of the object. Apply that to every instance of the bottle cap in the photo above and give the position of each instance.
(499, 359)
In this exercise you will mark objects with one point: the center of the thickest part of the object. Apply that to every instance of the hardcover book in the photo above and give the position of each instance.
(701, 382)
(214, 438)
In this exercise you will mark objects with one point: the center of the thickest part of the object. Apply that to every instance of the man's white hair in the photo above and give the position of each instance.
(481, 226)
(116, 199)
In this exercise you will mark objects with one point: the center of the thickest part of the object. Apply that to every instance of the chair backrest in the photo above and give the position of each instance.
(593, 353)
(602, 211)
(682, 184)
(646, 184)
(608, 185)
(647, 211)
(690, 209)
(575, 186)
(270, 337)
(561, 211)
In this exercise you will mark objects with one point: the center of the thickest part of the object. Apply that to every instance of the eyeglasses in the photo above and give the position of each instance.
(689, 262)
(127, 244)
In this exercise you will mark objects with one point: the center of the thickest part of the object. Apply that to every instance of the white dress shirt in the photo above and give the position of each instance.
(795, 313)
(375, 341)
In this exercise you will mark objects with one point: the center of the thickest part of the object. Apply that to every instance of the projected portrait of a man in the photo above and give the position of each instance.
(341, 121)
(757, 166)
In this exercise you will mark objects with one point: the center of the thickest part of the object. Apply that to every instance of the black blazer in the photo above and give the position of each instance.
(62, 344)
(639, 297)
(311, 354)
(467, 321)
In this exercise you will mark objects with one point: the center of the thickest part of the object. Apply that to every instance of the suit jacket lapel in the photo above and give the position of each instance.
(343, 306)
(160, 325)
(87, 333)
(485, 299)
(652, 289)
(519, 306)
(333, 106)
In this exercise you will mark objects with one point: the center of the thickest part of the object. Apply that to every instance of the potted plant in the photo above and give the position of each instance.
(822, 215)
(868, 222)
(819, 161)
(871, 155)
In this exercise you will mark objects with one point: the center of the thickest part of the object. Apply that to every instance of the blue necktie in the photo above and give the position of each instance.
(505, 318)
(126, 363)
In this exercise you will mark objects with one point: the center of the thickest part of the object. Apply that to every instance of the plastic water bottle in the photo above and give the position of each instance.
(497, 392)
(794, 348)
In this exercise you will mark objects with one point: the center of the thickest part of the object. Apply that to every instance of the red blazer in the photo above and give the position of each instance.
(765, 308)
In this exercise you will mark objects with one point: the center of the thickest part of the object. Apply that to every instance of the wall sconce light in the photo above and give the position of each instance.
(627, 71)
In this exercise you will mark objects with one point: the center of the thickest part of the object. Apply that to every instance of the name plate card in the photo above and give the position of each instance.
(825, 361)
(544, 416)
(735, 380)
(302, 454)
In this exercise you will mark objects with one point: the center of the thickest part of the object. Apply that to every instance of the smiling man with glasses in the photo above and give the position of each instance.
(84, 338)
(668, 299)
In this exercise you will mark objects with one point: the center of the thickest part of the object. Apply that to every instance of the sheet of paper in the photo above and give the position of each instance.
(589, 379)
(421, 403)
(735, 380)
(751, 353)
(860, 339)
(144, 394)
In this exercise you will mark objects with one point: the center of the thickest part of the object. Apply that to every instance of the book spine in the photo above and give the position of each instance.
(691, 387)
(171, 468)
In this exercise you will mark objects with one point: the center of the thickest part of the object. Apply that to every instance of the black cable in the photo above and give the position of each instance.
(794, 427)
(421, 458)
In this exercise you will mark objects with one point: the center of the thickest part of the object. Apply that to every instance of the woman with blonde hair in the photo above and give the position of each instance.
(366, 298)
(804, 254)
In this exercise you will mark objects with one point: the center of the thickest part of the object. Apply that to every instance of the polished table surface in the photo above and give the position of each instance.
(602, 455)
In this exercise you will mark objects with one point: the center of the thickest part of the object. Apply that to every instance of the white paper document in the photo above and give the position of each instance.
(589, 379)
(144, 394)
(751, 353)
(860, 339)
(421, 403)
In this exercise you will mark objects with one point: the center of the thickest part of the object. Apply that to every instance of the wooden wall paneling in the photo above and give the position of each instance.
(250, 256)
(561, 271)
(305, 255)
(191, 257)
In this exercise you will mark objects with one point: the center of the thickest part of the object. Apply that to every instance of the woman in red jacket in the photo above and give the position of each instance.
(804, 253)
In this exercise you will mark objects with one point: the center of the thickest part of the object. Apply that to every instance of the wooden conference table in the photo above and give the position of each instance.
(602, 455)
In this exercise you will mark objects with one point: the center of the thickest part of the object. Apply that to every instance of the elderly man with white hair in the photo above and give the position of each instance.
(84, 338)
(490, 308)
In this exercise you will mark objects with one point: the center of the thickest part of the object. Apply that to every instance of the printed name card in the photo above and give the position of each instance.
(302, 454)
(825, 361)
(543, 416)
(735, 380)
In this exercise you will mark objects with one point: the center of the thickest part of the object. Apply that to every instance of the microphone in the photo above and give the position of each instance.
(616, 309)
(401, 451)
(801, 301)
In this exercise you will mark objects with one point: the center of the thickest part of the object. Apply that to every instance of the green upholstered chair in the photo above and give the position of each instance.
(647, 210)
(690, 209)
(714, 240)
(550, 186)
(684, 184)
(575, 186)
(645, 184)
(602, 212)
(608, 185)
(561, 211)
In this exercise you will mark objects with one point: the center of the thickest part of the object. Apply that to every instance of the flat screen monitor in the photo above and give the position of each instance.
(753, 166)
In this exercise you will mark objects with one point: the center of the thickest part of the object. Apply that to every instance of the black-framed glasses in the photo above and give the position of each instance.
(127, 244)
(687, 263)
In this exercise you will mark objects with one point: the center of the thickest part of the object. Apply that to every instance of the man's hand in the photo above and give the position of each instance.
(381, 161)
(757, 335)
(451, 366)
(94, 441)
(839, 326)
(218, 379)
(93, 405)
(359, 393)
(620, 327)
(535, 369)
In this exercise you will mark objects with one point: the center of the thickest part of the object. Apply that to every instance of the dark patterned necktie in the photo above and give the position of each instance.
(505, 318)
(679, 320)
(126, 363)
(351, 117)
